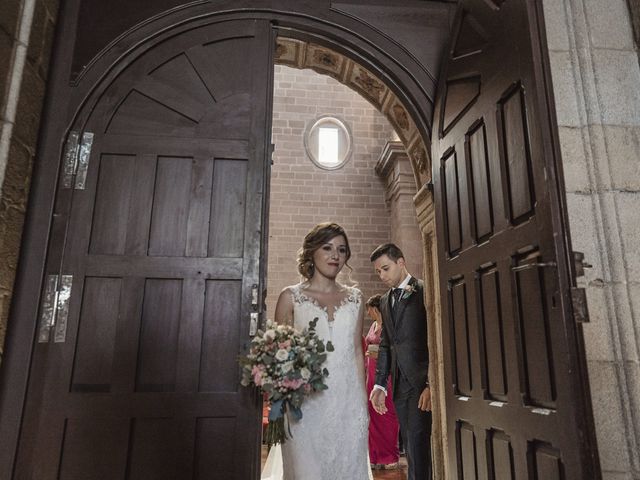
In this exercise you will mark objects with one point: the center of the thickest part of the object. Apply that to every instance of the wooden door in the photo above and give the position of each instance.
(517, 396)
(161, 253)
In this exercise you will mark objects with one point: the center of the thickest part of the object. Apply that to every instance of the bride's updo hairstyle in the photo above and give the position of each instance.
(316, 238)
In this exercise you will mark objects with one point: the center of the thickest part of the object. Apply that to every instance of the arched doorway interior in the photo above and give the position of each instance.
(324, 60)
(501, 115)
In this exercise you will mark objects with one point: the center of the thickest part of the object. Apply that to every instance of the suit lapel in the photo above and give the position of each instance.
(387, 315)
(403, 304)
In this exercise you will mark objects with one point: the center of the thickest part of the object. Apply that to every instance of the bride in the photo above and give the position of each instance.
(330, 441)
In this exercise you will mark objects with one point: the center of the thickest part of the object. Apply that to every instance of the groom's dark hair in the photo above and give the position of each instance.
(391, 250)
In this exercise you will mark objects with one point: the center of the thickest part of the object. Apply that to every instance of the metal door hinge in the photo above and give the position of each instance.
(55, 308)
(527, 266)
(579, 294)
(580, 264)
(579, 302)
(76, 159)
(254, 316)
(253, 324)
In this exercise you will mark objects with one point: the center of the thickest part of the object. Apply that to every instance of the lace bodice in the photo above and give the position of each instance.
(330, 442)
(350, 302)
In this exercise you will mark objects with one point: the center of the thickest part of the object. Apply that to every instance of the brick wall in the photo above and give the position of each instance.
(26, 37)
(303, 194)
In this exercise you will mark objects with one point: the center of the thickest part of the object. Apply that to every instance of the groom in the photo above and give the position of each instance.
(403, 352)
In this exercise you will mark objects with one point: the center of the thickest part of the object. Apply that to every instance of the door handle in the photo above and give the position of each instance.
(527, 266)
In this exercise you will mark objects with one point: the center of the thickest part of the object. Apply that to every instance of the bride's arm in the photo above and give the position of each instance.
(284, 308)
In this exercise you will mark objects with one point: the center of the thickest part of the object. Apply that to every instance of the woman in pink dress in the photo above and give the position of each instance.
(383, 429)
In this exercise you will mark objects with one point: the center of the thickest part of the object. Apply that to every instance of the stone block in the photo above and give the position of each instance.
(36, 38)
(574, 159)
(617, 76)
(598, 332)
(29, 107)
(609, 24)
(6, 58)
(567, 108)
(623, 323)
(555, 19)
(17, 178)
(628, 207)
(609, 417)
(623, 145)
(53, 7)
(584, 234)
(611, 253)
(9, 12)
(632, 373)
(617, 476)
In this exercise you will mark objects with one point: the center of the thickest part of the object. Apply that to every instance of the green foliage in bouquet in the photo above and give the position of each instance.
(287, 367)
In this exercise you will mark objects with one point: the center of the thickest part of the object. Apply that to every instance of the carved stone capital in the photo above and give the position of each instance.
(425, 208)
(394, 167)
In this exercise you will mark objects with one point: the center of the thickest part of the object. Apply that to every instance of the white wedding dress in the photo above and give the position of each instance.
(330, 442)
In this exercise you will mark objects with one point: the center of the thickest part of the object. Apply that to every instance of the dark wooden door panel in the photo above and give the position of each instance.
(515, 398)
(163, 245)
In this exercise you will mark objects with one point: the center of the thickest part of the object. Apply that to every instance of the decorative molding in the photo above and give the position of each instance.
(324, 60)
(388, 158)
(418, 153)
(368, 85)
(289, 52)
(425, 208)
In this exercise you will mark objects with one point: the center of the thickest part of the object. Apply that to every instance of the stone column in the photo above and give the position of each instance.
(395, 169)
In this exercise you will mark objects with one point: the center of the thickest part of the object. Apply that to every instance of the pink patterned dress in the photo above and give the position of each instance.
(383, 429)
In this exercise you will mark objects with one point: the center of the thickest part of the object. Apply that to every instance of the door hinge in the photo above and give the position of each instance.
(579, 294)
(76, 159)
(579, 263)
(55, 308)
(579, 302)
(254, 316)
(527, 266)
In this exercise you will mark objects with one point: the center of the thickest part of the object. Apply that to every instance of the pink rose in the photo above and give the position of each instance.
(292, 384)
(257, 371)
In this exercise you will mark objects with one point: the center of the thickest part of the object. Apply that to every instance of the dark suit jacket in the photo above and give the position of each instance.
(403, 345)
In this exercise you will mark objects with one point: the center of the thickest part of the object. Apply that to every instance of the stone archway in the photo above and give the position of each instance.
(412, 148)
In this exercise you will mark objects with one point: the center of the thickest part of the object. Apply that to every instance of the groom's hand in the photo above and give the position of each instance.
(424, 402)
(377, 399)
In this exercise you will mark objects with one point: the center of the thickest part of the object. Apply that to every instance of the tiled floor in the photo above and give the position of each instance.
(397, 474)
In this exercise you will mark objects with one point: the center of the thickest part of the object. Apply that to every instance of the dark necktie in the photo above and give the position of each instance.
(397, 293)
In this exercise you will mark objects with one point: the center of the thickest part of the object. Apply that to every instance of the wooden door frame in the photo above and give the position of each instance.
(378, 53)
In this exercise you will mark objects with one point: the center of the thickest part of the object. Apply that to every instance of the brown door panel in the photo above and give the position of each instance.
(516, 402)
(163, 245)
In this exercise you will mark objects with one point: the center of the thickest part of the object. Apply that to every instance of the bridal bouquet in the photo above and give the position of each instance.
(287, 366)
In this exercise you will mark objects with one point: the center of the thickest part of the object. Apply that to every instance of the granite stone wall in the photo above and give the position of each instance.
(596, 79)
(26, 38)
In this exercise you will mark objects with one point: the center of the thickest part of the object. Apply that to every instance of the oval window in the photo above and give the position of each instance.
(328, 142)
